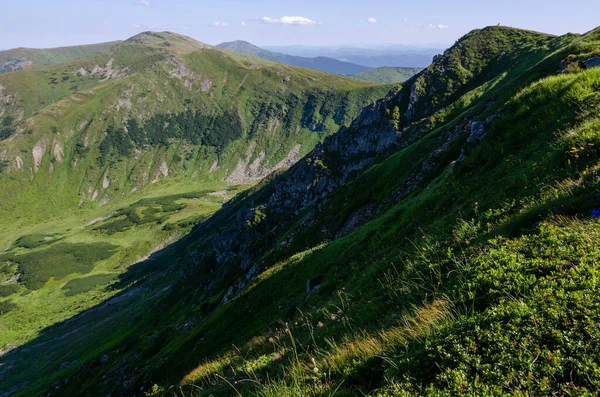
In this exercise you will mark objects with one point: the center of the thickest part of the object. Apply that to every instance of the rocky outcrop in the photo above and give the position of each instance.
(13, 65)
(247, 171)
(38, 153)
(592, 62)
(107, 71)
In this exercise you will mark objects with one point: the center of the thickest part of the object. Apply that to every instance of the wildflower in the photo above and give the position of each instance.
(595, 213)
(381, 355)
(541, 250)
(465, 260)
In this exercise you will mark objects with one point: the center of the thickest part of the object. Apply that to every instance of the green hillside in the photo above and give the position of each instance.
(387, 75)
(109, 158)
(444, 242)
(20, 58)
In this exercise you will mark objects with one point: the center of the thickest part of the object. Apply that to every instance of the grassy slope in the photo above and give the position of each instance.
(439, 279)
(387, 75)
(469, 273)
(48, 56)
(63, 200)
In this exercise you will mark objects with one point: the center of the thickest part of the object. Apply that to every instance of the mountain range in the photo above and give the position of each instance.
(322, 63)
(372, 56)
(180, 219)
(386, 75)
(19, 58)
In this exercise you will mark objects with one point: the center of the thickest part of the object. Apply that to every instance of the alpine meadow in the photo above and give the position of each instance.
(195, 220)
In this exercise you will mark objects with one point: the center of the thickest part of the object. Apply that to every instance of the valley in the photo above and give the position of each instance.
(184, 220)
(89, 190)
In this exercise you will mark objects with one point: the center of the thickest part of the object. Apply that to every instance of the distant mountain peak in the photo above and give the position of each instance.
(167, 39)
(322, 63)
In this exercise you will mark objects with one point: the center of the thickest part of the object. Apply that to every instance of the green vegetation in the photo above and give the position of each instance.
(458, 257)
(19, 58)
(387, 75)
(86, 284)
(59, 261)
(8, 289)
(34, 240)
(6, 306)
(118, 150)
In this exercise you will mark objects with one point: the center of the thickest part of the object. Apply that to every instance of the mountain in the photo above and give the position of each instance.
(372, 56)
(387, 75)
(444, 242)
(107, 159)
(20, 58)
(322, 63)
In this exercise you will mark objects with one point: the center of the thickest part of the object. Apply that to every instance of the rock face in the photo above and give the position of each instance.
(15, 64)
(593, 62)
(477, 132)
(250, 228)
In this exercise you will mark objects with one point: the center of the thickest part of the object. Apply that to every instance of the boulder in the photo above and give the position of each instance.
(477, 132)
(592, 62)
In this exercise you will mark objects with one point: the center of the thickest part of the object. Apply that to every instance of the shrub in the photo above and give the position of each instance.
(59, 261)
(86, 284)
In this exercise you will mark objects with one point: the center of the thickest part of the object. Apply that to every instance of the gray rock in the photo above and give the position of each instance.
(593, 63)
(477, 132)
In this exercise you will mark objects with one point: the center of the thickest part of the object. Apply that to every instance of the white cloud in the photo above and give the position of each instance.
(135, 25)
(243, 24)
(289, 21)
(405, 19)
(372, 20)
(220, 24)
(440, 26)
(144, 3)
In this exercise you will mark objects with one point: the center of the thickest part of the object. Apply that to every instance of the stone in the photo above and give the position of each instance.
(592, 63)
(477, 132)
(277, 358)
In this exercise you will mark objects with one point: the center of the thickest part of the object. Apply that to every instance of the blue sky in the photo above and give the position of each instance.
(51, 23)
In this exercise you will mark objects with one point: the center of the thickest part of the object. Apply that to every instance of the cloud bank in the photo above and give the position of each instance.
(295, 20)
(440, 26)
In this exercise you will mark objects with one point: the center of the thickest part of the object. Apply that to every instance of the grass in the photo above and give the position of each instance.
(49, 56)
(58, 261)
(480, 279)
(387, 75)
(507, 272)
(75, 204)
(86, 284)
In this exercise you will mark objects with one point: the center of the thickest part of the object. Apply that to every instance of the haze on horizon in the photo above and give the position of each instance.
(40, 24)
